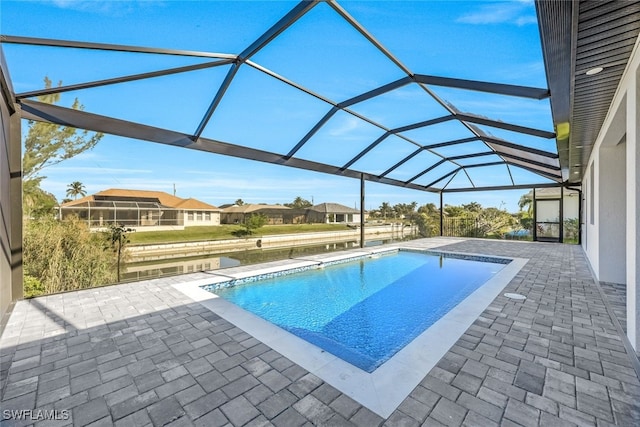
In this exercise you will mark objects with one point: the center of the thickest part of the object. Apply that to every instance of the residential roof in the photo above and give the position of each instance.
(163, 198)
(333, 208)
(192, 203)
(248, 208)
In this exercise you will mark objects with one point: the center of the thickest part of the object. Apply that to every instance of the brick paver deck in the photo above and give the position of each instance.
(144, 354)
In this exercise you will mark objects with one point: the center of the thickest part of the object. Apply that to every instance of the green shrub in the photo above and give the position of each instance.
(428, 226)
(254, 222)
(32, 286)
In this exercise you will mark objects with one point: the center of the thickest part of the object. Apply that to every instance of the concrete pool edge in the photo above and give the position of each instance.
(383, 390)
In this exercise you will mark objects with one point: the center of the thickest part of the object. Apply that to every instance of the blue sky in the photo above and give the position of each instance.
(490, 41)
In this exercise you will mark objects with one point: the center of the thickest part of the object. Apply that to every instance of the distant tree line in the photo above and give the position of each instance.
(485, 222)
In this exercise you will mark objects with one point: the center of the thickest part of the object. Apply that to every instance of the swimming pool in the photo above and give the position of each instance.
(363, 310)
(384, 389)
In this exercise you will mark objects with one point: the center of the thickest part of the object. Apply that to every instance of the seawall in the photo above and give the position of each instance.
(141, 253)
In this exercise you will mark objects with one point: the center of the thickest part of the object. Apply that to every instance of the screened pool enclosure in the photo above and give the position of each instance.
(442, 139)
(331, 87)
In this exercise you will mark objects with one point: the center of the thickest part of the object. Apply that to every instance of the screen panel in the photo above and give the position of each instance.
(261, 112)
(339, 66)
(414, 166)
(401, 107)
(339, 140)
(387, 153)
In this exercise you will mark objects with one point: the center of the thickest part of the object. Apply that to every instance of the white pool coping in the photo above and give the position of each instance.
(384, 389)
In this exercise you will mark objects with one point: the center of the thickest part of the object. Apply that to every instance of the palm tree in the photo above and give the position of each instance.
(526, 202)
(385, 209)
(299, 203)
(75, 189)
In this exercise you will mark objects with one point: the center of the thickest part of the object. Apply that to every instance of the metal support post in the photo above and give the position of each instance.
(580, 201)
(15, 194)
(362, 210)
(561, 225)
(441, 217)
(534, 230)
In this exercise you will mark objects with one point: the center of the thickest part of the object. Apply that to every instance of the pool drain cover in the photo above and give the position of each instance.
(517, 297)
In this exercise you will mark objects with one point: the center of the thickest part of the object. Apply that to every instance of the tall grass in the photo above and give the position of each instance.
(64, 256)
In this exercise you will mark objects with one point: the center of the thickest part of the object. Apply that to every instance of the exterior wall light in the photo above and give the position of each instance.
(593, 71)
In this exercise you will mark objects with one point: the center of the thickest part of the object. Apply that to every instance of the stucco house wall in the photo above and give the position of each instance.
(611, 201)
(192, 218)
(332, 213)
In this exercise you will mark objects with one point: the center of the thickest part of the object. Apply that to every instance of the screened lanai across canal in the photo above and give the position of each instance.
(102, 213)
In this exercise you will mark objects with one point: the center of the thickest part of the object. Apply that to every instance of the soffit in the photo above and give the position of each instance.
(579, 36)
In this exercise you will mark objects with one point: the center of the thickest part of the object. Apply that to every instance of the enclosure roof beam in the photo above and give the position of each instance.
(285, 22)
(377, 91)
(419, 150)
(506, 126)
(530, 162)
(502, 142)
(401, 162)
(470, 155)
(34, 41)
(451, 159)
(217, 99)
(291, 83)
(480, 165)
(366, 150)
(312, 132)
(123, 79)
(395, 131)
(278, 28)
(497, 88)
(424, 123)
(455, 171)
(504, 187)
(430, 168)
(454, 142)
(549, 175)
(355, 24)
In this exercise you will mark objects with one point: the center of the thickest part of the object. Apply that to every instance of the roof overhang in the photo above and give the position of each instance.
(578, 36)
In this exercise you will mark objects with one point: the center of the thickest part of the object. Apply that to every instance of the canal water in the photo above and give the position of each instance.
(160, 268)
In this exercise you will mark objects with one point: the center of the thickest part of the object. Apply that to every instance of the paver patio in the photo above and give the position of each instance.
(145, 354)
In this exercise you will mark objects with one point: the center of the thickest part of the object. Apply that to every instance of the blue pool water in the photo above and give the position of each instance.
(363, 311)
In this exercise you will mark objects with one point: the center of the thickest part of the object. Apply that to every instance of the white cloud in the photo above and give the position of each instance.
(518, 13)
(116, 8)
(517, 72)
(346, 126)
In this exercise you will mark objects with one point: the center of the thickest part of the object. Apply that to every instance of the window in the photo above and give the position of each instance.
(207, 216)
(198, 216)
(190, 216)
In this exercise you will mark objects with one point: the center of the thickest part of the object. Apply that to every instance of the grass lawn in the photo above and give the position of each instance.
(224, 231)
